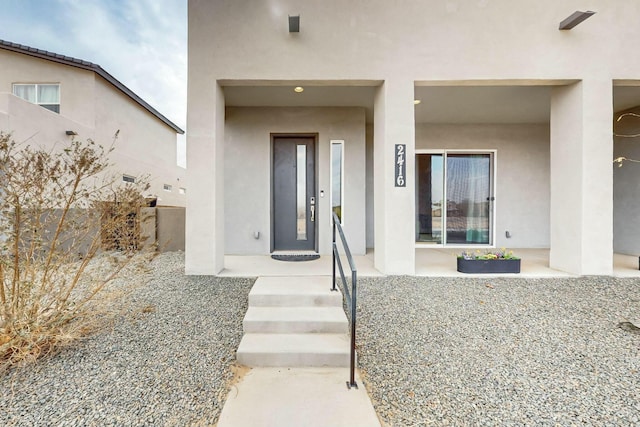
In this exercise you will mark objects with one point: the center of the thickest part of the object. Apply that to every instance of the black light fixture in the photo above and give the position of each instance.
(71, 132)
(574, 19)
(294, 24)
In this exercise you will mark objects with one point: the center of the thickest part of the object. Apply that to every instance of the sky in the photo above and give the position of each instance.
(142, 43)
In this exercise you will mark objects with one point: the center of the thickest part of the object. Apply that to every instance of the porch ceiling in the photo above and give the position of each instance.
(313, 96)
(439, 104)
(625, 97)
(483, 104)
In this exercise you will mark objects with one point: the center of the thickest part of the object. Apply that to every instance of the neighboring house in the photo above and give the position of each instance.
(423, 123)
(44, 97)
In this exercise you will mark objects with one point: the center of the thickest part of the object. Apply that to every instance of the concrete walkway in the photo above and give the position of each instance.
(297, 397)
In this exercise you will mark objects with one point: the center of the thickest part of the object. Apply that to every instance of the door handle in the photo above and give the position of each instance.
(312, 203)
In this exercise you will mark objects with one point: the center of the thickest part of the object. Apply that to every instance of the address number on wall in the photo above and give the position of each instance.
(401, 165)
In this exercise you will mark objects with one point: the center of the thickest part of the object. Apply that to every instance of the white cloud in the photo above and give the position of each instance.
(143, 45)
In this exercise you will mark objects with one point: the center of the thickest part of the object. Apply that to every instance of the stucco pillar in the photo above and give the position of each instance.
(394, 207)
(204, 244)
(581, 220)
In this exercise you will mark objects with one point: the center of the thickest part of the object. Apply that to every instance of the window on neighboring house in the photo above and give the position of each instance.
(182, 190)
(129, 178)
(45, 95)
(167, 187)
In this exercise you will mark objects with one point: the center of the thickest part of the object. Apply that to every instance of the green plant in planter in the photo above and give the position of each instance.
(496, 261)
(487, 255)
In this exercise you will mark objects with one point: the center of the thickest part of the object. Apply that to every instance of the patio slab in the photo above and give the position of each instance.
(430, 262)
(310, 397)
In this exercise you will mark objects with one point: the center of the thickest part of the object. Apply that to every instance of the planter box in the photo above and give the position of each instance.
(482, 266)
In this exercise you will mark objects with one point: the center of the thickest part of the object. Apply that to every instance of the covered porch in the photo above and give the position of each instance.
(430, 262)
(548, 182)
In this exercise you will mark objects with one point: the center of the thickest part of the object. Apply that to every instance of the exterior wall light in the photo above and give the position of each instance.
(298, 89)
(574, 19)
(294, 24)
(416, 101)
(71, 132)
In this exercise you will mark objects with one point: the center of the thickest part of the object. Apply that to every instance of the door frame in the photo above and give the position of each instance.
(318, 215)
(493, 185)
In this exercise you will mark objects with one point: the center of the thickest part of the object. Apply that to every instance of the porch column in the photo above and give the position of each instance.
(204, 245)
(582, 178)
(394, 207)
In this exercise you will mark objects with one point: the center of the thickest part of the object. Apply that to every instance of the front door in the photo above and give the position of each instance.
(294, 194)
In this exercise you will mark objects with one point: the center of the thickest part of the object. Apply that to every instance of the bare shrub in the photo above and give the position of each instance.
(57, 207)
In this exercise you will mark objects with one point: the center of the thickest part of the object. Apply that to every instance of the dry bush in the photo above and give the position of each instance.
(57, 207)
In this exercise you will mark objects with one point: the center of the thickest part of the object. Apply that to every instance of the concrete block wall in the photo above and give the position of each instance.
(170, 223)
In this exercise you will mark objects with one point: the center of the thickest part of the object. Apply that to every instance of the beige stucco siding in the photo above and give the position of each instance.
(145, 145)
(77, 88)
(416, 39)
(31, 124)
(248, 172)
(94, 109)
(554, 184)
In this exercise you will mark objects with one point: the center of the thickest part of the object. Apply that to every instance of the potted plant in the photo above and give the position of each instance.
(497, 261)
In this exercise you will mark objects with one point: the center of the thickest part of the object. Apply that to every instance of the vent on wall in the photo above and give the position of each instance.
(294, 24)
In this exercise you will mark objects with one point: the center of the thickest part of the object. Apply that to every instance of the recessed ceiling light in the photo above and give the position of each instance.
(299, 89)
(416, 101)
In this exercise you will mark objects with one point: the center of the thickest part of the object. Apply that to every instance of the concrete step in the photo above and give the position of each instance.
(292, 320)
(293, 291)
(294, 350)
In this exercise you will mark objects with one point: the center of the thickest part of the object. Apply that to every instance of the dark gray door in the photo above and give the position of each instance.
(294, 192)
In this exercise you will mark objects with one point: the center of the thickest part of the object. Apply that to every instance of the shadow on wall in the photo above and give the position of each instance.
(162, 226)
(170, 226)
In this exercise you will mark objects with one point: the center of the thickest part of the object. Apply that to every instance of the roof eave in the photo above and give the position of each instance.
(89, 66)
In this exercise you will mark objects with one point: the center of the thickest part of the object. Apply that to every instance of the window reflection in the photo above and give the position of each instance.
(336, 178)
(429, 189)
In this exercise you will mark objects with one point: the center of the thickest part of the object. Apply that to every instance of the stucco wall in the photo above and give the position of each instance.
(77, 90)
(418, 39)
(32, 124)
(170, 223)
(398, 46)
(145, 145)
(626, 188)
(522, 174)
(248, 172)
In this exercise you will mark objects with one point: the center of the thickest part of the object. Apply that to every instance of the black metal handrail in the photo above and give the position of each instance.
(349, 296)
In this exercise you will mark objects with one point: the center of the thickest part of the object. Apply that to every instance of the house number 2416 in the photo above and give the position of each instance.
(401, 166)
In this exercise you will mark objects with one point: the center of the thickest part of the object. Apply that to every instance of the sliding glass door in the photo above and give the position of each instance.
(454, 198)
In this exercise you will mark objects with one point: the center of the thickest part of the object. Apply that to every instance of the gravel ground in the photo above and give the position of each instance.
(167, 365)
(433, 351)
(475, 352)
